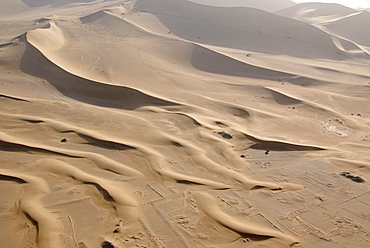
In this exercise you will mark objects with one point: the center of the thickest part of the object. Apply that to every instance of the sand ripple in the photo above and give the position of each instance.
(171, 124)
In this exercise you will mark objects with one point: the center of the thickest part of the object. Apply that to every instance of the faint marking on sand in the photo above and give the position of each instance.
(209, 205)
(332, 128)
(73, 231)
(121, 197)
(156, 191)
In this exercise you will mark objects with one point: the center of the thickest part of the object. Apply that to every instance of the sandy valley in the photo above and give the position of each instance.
(168, 123)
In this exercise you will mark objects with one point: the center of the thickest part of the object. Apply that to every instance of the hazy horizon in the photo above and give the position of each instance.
(167, 123)
(351, 4)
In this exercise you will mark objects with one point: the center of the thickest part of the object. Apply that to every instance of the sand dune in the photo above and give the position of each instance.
(266, 5)
(272, 34)
(316, 12)
(350, 27)
(337, 20)
(174, 124)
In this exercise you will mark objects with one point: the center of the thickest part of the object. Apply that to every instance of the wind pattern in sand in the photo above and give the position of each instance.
(166, 123)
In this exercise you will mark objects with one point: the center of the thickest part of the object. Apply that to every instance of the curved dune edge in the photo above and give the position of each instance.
(317, 40)
(201, 127)
(50, 38)
(48, 225)
(234, 65)
(209, 205)
(257, 141)
(40, 39)
(224, 63)
(348, 163)
(102, 161)
(123, 200)
(157, 160)
(91, 85)
(316, 106)
(90, 89)
(14, 98)
(181, 178)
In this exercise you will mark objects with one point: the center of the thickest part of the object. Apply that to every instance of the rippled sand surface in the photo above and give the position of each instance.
(167, 123)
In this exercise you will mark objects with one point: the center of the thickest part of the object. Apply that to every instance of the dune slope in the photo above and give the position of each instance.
(314, 12)
(351, 27)
(247, 29)
(173, 124)
(267, 5)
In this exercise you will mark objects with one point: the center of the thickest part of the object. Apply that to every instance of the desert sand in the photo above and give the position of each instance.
(168, 123)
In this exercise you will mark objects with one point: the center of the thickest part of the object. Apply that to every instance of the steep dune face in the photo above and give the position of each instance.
(100, 93)
(172, 124)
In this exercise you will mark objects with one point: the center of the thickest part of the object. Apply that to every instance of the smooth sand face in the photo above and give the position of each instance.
(166, 123)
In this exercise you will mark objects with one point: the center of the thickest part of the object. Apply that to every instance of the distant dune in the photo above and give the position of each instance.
(313, 12)
(169, 123)
(351, 27)
(267, 5)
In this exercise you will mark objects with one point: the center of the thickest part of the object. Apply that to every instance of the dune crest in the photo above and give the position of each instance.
(168, 123)
(208, 204)
(50, 38)
(49, 227)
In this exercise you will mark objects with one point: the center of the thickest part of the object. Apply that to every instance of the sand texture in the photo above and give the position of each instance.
(167, 123)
